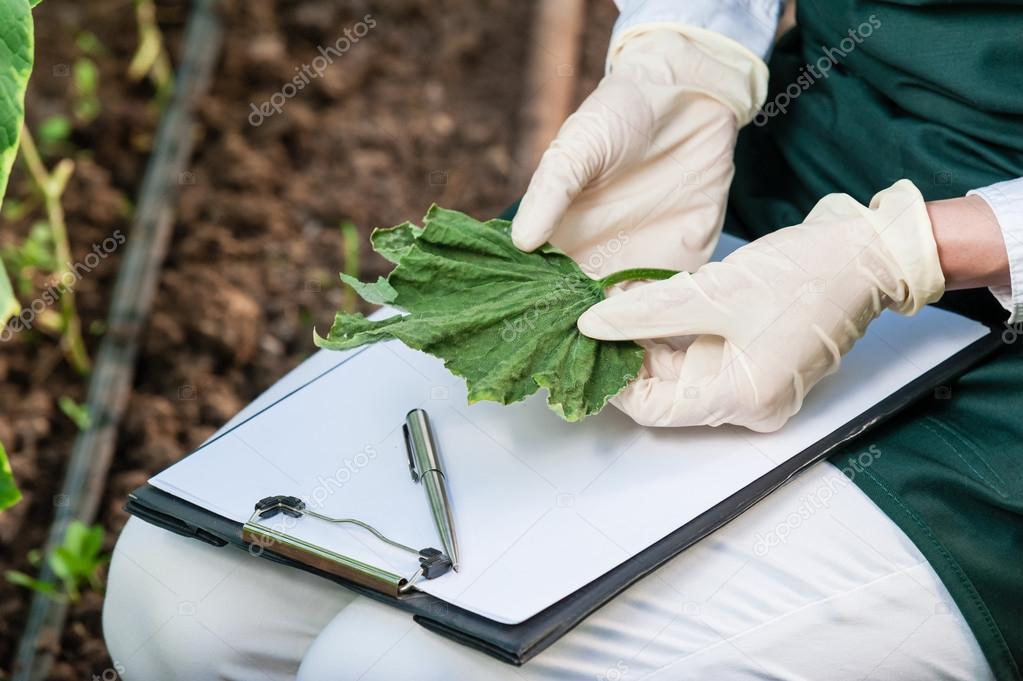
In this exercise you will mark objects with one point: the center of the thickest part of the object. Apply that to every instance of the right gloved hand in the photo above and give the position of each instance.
(774, 317)
(639, 175)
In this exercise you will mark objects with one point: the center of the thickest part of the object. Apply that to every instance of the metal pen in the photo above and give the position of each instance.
(425, 467)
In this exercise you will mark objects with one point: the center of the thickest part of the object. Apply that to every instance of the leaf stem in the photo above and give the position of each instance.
(51, 185)
(636, 273)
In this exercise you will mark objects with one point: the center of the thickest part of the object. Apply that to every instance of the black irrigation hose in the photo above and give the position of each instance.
(111, 382)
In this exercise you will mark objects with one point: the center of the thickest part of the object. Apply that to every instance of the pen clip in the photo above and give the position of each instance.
(409, 450)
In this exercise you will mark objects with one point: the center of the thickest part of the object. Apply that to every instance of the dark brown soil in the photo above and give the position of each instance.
(423, 108)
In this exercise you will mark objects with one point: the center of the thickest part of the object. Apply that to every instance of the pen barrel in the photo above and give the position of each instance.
(440, 507)
(423, 452)
(426, 468)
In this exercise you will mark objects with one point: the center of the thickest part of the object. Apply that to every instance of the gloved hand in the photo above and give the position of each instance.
(775, 316)
(639, 175)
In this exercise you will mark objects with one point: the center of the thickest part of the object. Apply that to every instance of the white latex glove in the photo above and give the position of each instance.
(775, 316)
(639, 175)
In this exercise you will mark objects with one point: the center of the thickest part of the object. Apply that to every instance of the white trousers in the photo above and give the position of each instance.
(815, 582)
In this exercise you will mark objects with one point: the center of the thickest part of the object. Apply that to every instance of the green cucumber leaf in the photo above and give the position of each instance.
(9, 494)
(502, 319)
(379, 293)
(16, 50)
(395, 242)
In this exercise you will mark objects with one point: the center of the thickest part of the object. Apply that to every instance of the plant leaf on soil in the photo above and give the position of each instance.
(9, 305)
(16, 50)
(9, 494)
(502, 319)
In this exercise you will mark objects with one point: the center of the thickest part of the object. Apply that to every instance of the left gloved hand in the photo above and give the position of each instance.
(775, 316)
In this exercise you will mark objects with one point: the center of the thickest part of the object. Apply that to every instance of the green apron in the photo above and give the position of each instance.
(933, 92)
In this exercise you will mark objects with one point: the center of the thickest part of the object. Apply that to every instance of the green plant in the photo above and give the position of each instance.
(17, 43)
(150, 58)
(85, 74)
(30, 259)
(89, 44)
(15, 209)
(9, 494)
(78, 414)
(76, 563)
(502, 319)
(54, 133)
(51, 185)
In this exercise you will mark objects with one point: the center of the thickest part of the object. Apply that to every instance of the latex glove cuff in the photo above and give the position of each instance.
(677, 55)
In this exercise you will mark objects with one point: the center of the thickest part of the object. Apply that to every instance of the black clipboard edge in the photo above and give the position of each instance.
(518, 643)
(621, 577)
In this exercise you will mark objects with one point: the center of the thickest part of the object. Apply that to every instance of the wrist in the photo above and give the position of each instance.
(971, 248)
(899, 220)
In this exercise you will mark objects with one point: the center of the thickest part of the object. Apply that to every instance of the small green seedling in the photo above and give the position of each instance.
(78, 414)
(86, 96)
(76, 563)
(89, 43)
(31, 258)
(54, 133)
(151, 59)
(50, 185)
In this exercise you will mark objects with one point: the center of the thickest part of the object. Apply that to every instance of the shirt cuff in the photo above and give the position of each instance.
(1006, 202)
(751, 23)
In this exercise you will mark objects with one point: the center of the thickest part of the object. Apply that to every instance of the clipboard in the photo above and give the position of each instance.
(516, 643)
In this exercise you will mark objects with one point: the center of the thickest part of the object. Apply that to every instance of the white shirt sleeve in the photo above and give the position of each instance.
(751, 23)
(1006, 201)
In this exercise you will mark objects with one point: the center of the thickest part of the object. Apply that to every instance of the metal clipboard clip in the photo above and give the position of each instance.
(432, 563)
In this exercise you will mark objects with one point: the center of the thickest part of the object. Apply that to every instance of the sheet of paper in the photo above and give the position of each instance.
(542, 507)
